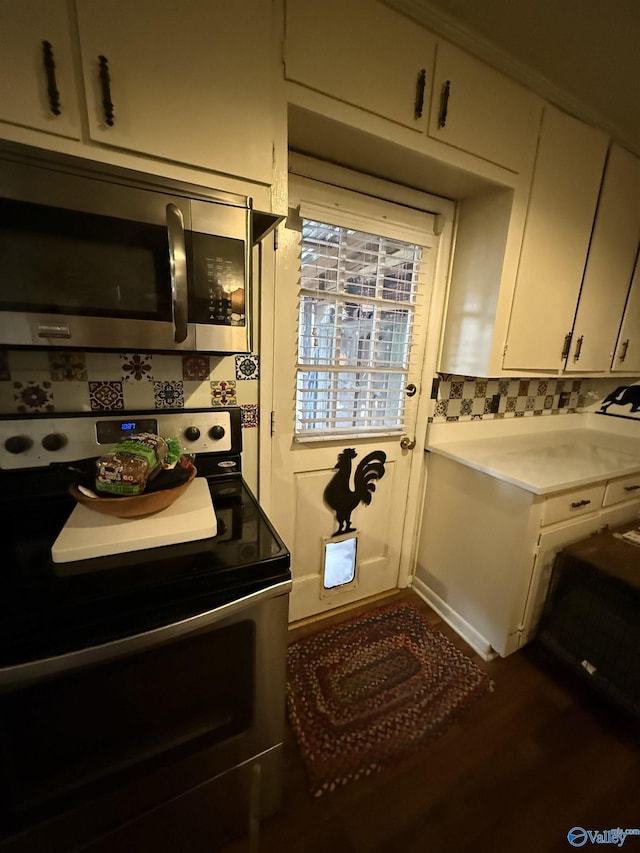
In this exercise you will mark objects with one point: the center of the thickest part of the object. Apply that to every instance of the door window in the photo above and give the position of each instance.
(358, 294)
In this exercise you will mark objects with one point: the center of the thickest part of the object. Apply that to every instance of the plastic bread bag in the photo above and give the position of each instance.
(131, 464)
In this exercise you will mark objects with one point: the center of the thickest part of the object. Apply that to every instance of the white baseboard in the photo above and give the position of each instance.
(459, 625)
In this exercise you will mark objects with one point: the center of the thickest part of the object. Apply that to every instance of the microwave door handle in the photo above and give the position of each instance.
(248, 293)
(178, 270)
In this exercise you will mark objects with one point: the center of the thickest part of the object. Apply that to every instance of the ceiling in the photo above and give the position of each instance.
(583, 55)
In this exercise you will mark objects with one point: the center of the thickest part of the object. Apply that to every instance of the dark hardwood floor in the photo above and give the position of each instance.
(524, 765)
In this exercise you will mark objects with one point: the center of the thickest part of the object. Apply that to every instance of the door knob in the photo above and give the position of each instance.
(406, 443)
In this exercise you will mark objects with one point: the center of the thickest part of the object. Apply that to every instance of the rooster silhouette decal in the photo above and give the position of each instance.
(340, 497)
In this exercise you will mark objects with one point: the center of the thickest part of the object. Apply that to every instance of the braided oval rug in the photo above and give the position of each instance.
(370, 690)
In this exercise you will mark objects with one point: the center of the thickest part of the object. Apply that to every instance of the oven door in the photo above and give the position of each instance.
(169, 740)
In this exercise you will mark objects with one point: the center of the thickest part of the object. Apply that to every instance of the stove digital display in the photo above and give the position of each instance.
(110, 432)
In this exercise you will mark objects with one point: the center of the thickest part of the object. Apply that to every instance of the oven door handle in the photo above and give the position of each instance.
(24, 674)
(178, 272)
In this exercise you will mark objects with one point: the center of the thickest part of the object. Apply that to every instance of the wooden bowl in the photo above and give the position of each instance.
(134, 506)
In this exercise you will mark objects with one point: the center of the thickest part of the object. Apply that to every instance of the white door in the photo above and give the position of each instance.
(353, 284)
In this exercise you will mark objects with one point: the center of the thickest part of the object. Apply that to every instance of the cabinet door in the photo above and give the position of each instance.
(627, 354)
(562, 206)
(612, 255)
(549, 544)
(24, 81)
(481, 111)
(362, 53)
(190, 82)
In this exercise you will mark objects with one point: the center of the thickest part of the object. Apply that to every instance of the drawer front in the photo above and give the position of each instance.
(572, 504)
(622, 489)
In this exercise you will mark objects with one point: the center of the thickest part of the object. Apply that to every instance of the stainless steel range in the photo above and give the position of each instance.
(141, 687)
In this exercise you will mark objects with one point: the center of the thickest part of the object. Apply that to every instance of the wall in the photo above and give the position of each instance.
(55, 381)
(469, 398)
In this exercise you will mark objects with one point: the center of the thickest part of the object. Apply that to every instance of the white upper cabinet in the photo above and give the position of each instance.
(562, 206)
(37, 82)
(627, 354)
(612, 256)
(190, 82)
(361, 53)
(479, 110)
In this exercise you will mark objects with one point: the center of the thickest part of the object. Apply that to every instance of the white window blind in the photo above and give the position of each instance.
(357, 311)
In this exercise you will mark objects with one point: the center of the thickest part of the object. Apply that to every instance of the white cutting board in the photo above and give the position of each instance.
(88, 534)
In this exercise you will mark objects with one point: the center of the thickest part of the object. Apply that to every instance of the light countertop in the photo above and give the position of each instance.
(546, 461)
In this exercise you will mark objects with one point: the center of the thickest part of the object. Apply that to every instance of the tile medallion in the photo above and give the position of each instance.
(195, 367)
(250, 415)
(68, 366)
(247, 367)
(456, 390)
(466, 407)
(223, 393)
(169, 395)
(31, 396)
(136, 367)
(105, 395)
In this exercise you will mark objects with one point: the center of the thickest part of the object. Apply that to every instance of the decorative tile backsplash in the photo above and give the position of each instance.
(53, 381)
(48, 381)
(468, 398)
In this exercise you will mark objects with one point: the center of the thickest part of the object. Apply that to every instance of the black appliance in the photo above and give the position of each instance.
(141, 693)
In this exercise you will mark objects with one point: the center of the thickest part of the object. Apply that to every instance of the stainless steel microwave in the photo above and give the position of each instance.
(95, 257)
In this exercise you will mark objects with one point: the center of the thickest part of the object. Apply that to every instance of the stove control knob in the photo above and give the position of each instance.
(192, 433)
(217, 432)
(54, 441)
(18, 443)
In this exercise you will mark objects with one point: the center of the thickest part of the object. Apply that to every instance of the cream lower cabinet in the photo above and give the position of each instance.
(609, 270)
(562, 207)
(37, 82)
(487, 547)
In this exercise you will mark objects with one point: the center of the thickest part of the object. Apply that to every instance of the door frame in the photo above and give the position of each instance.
(445, 212)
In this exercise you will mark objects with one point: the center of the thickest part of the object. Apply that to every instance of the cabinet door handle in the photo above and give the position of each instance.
(576, 355)
(105, 82)
(420, 87)
(631, 488)
(50, 71)
(566, 346)
(444, 103)
(625, 347)
(578, 504)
